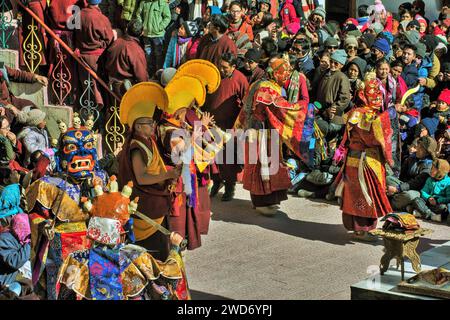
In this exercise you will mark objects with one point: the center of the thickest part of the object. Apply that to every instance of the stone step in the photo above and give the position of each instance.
(34, 92)
(10, 58)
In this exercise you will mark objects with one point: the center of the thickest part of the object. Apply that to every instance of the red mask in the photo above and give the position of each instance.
(372, 95)
(281, 71)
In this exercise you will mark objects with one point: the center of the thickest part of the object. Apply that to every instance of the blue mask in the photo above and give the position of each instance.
(77, 155)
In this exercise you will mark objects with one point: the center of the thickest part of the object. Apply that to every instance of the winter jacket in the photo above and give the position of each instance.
(128, 8)
(155, 17)
(433, 71)
(34, 139)
(13, 256)
(288, 14)
(415, 172)
(437, 189)
(334, 90)
(410, 74)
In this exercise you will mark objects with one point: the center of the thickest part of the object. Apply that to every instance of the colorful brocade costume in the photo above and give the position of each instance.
(54, 204)
(265, 108)
(362, 181)
(113, 270)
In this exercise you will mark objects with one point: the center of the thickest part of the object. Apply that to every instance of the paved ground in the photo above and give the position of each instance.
(303, 253)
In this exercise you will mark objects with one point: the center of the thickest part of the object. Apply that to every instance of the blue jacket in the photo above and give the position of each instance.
(410, 74)
(422, 72)
(438, 189)
(13, 256)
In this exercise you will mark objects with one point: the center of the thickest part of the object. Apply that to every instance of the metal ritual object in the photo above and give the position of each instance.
(159, 227)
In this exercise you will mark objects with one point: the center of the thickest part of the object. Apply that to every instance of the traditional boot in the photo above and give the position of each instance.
(229, 191)
(217, 185)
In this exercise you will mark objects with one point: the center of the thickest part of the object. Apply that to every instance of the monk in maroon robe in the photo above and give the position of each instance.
(125, 59)
(225, 105)
(91, 40)
(214, 44)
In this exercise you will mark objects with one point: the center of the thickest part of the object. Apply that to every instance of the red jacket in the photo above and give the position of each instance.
(288, 14)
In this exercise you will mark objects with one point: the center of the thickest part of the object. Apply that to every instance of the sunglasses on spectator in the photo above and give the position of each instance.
(249, 61)
(351, 47)
(332, 47)
(298, 50)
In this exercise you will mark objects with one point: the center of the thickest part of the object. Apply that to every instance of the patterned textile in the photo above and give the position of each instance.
(10, 201)
(72, 190)
(104, 271)
(293, 122)
(74, 273)
(123, 272)
(59, 198)
(104, 230)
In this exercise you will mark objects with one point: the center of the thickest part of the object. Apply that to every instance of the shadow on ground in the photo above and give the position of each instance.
(241, 211)
(199, 295)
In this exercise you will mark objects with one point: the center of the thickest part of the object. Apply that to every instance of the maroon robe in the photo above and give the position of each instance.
(125, 59)
(154, 200)
(212, 50)
(6, 97)
(91, 40)
(225, 105)
(257, 74)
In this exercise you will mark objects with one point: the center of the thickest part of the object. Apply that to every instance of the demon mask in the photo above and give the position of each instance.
(77, 154)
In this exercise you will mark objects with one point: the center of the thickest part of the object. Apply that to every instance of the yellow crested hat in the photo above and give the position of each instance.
(182, 91)
(141, 100)
(205, 70)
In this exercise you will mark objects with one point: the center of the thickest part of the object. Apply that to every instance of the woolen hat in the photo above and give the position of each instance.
(412, 36)
(368, 39)
(167, 75)
(443, 167)
(339, 56)
(382, 45)
(428, 143)
(350, 40)
(320, 11)
(431, 124)
(414, 23)
(445, 96)
(191, 28)
(94, 2)
(31, 117)
(253, 55)
(331, 41)
(360, 63)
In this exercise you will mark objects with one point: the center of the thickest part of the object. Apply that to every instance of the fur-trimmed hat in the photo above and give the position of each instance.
(429, 144)
(31, 117)
(443, 167)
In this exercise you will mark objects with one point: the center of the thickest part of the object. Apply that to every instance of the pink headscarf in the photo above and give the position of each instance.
(20, 227)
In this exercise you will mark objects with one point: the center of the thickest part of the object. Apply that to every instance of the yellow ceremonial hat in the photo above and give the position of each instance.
(182, 91)
(205, 70)
(141, 100)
